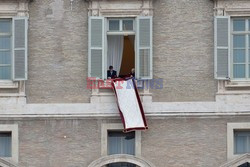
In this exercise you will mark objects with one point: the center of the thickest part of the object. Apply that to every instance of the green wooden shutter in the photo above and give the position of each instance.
(222, 47)
(20, 48)
(96, 47)
(144, 52)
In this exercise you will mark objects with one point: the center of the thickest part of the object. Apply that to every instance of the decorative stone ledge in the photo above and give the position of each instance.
(5, 163)
(238, 161)
(139, 161)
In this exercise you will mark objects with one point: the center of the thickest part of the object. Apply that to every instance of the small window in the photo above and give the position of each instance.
(5, 144)
(121, 143)
(241, 142)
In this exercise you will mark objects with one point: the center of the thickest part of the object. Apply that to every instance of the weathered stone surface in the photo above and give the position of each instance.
(178, 142)
(58, 52)
(183, 50)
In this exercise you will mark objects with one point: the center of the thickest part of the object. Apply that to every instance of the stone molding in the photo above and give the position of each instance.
(231, 127)
(13, 128)
(14, 8)
(5, 163)
(238, 161)
(105, 160)
(124, 8)
(226, 105)
(117, 126)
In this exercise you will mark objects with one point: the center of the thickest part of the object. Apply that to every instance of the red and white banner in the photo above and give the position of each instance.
(129, 105)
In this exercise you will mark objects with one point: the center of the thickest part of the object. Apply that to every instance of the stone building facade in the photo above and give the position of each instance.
(196, 115)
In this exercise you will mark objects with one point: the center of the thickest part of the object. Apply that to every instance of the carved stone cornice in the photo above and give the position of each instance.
(124, 8)
(14, 8)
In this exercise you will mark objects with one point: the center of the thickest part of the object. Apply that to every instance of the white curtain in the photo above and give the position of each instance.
(115, 51)
(121, 143)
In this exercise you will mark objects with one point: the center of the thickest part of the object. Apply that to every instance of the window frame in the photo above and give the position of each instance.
(11, 47)
(102, 75)
(122, 141)
(231, 128)
(120, 19)
(13, 128)
(14, 83)
(117, 127)
(246, 33)
(247, 135)
(120, 32)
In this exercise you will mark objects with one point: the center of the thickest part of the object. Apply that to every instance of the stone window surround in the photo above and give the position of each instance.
(105, 160)
(238, 161)
(117, 126)
(15, 8)
(230, 137)
(13, 128)
(223, 86)
(103, 8)
(8, 84)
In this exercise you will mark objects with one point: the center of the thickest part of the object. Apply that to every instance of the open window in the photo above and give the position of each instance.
(121, 45)
(124, 43)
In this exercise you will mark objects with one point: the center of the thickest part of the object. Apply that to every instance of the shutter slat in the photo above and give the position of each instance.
(222, 47)
(144, 32)
(96, 63)
(19, 33)
(144, 62)
(19, 63)
(96, 33)
(20, 52)
(144, 48)
(96, 47)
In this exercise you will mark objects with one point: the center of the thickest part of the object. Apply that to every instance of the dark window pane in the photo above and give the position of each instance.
(239, 71)
(114, 25)
(239, 25)
(245, 165)
(5, 144)
(127, 25)
(5, 42)
(5, 72)
(241, 142)
(121, 164)
(121, 143)
(239, 41)
(5, 57)
(5, 26)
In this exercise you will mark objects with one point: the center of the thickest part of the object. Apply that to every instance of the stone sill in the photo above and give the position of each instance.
(8, 84)
(237, 84)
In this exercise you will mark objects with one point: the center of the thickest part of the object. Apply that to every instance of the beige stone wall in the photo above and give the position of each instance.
(42, 143)
(57, 52)
(169, 142)
(183, 50)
